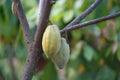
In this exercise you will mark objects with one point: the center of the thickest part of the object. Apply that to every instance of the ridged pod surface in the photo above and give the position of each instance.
(51, 41)
(62, 57)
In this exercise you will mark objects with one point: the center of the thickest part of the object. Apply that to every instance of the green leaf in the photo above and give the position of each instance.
(118, 76)
(68, 15)
(32, 13)
(2, 2)
(108, 52)
(32, 16)
(86, 76)
(118, 52)
(88, 52)
(78, 4)
(76, 34)
(49, 72)
(77, 50)
(106, 74)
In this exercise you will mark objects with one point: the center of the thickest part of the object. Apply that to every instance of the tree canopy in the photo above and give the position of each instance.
(94, 49)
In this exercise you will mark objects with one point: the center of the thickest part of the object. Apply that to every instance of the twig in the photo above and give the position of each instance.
(84, 14)
(36, 48)
(91, 22)
(23, 21)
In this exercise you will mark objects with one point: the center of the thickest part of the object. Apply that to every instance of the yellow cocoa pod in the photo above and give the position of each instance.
(62, 57)
(51, 41)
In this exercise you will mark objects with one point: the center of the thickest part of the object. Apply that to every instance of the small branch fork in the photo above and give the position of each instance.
(84, 14)
(35, 47)
(91, 22)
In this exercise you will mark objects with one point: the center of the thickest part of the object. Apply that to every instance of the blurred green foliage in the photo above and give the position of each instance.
(95, 50)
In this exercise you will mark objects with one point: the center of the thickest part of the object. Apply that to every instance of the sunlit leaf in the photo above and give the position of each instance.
(78, 4)
(32, 16)
(68, 15)
(88, 52)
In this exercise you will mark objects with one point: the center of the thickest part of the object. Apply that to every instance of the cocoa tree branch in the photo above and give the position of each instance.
(84, 14)
(23, 21)
(45, 9)
(91, 22)
(36, 48)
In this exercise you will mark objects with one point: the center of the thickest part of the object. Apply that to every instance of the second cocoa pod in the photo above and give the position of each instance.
(62, 57)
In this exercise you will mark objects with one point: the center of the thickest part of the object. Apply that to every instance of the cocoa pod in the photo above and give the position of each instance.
(13, 9)
(51, 41)
(62, 57)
